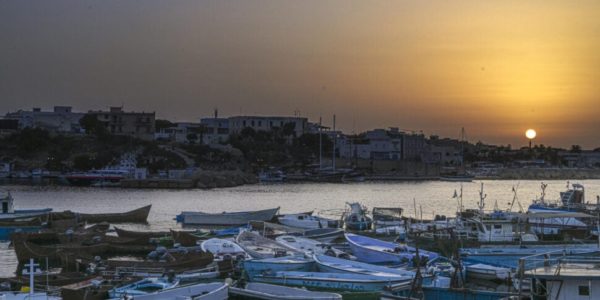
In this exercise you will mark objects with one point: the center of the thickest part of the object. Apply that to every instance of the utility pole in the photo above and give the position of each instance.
(334, 144)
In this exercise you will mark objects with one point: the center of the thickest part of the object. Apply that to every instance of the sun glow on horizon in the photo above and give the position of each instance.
(530, 134)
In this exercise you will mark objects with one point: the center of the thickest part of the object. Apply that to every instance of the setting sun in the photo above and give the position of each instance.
(530, 134)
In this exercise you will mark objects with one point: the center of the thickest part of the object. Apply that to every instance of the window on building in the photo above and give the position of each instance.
(259, 123)
(252, 123)
(270, 123)
(244, 123)
(584, 290)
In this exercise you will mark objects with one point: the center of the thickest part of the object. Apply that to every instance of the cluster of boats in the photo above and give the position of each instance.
(377, 254)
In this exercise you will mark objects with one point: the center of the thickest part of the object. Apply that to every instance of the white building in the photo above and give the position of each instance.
(214, 130)
(260, 123)
(61, 119)
(381, 144)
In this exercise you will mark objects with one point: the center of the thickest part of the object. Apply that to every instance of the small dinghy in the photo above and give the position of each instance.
(276, 264)
(260, 247)
(307, 221)
(330, 264)
(222, 248)
(309, 246)
(325, 235)
(371, 250)
(488, 272)
(225, 218)
(332, 281)
(202, 291)
(265, 291)
(143, 287)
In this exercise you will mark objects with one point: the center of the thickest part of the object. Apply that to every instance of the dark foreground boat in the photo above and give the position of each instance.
(139, 215)
(226, 218)
(141, 234)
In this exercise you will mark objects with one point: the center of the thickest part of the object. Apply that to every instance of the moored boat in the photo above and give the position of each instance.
(139, 215)
(310, 246)
(332, 281)
(325, 235)
(141, 234)
(256, 290)
(275, 264)
(356, 218)
(371, 250)
(222, 248)
(330, 264)
(487, 272)
(260, 247)
(225, 218)
(200, 291)
(9, 213)
(143, 287)
(307, 221)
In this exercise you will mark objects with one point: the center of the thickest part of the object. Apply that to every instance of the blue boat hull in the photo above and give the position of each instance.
(361, 247)
(5, 232)
(436, 293)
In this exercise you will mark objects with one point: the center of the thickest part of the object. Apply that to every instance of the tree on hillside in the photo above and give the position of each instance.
(92, 125)
(161, 124)
(575, 149)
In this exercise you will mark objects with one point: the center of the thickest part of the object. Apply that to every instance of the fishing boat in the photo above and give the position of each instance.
(143, 287)
(310, 246)
(225, 218)
(508, 256)
(9, 213)
(488, 272)
(105, 176)
(139, 215)
(275, 264)
(200, 291)
(371, 250)
(330, 264)
(260, 247)
(221, 248)
(388, 220)
(188, 238)
(307, 221)
(256, 290)
(90, 289)
(332, 281)
(356, 218)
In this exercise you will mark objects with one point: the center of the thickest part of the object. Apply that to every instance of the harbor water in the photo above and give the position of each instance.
(427, 199)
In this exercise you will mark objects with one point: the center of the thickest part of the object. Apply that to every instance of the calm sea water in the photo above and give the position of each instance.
(431, 197)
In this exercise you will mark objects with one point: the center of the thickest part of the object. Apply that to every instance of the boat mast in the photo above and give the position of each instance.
(320, 144)
(481, 199)
(334, 144)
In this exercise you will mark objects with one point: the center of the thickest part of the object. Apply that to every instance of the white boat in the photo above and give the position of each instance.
(356, 218)
(256, 290)
(371, 250)
(254, 267)
(330, 264)
(8, 212)
(272, 176)
(202, 291)
(488, 272)
(222, 248)
(309, 246)
(261, 247)
(26, 296)
(226, 218)
(307, 221)
(143, 287)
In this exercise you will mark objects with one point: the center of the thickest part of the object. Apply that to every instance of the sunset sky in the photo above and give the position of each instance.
(496, 68)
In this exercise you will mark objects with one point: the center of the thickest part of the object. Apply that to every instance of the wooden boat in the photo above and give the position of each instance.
(256, 290)
(143, 287)
(200, 291)
(260, 247)
(174, 261)
(310, 246)
(356, 218)
(275, 264)
(325, 235)
(330, 264)
(222, 248)
(89, 289)
(371, 250)
(332, 281)
(141, 234)
(225, 218)
(188, 238)
(307, 221)
(139, 215)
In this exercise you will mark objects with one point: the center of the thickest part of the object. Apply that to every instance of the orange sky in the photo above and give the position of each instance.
(496, 68)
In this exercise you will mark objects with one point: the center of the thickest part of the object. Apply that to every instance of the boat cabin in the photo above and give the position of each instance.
(567, 278)
(6, 204)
